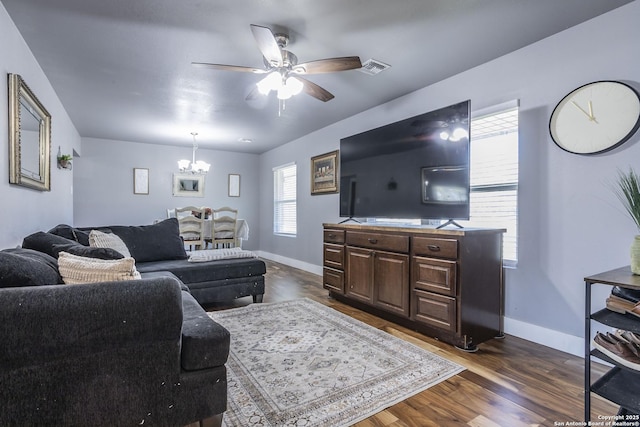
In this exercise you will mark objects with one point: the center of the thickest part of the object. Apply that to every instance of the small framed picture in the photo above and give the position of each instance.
(324, 173)
(186, 185)
(234, 185)
(140, 181)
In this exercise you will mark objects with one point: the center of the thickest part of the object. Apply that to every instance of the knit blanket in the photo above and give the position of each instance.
(217, 254)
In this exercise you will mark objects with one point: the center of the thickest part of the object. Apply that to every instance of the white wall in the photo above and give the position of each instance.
(104, 183)
(22, 210)
(571, 224)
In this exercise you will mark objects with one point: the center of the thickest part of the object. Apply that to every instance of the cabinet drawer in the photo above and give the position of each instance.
(333, 236)
(434, 275)
(388, 242)
(431, 246)
(333, 256)
(333, 280)
(435, 310)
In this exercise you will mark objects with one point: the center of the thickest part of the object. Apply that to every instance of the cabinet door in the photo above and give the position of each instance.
(391, 282)
(360, 274)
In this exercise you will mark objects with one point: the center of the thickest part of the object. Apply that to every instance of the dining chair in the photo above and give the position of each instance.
(191, 224)
(223, 230)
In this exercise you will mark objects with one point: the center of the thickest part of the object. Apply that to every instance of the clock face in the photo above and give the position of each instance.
(596, 117)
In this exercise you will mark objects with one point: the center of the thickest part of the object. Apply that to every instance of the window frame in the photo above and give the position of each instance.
(281, 227)
(510, 186)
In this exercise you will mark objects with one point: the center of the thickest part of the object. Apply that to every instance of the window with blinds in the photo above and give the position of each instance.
(494, 176)
(284, 200)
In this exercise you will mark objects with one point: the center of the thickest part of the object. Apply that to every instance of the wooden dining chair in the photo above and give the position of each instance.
(191, 224)
(223, 230)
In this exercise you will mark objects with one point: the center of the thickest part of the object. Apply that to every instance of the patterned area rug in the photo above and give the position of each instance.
(300, 363)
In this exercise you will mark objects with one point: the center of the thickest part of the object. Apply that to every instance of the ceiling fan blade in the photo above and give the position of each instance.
(328, 65)
(267, 44)
(229, 67)
(314, 90)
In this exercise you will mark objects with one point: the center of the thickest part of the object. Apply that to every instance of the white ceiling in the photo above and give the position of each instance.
(122, 68)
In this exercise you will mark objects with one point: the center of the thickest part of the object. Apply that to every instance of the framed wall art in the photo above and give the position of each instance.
(324, 173)
(188, 185)
(234, 185)
(140, 181)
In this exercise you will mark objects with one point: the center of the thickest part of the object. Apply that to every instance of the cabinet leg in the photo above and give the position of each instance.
(471, 348)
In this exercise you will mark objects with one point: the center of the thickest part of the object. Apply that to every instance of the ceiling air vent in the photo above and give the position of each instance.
(373, 67)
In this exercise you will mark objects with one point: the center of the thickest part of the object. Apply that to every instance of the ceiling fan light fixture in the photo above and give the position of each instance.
(294, 85)
(284, 93)
(273, 81)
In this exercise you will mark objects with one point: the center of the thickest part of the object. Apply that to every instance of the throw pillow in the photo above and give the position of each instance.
(26, 267)
(44, 242)
(71, 233)
(98, 239)
(88, 251)
(156, 242)
(76, 269)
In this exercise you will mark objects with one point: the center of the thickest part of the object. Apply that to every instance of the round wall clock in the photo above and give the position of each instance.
(596, 117)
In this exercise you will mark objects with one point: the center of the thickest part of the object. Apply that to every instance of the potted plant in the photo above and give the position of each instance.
(628, 191)
(63, 160)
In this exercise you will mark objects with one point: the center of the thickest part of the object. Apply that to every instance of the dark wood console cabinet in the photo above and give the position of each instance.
(445, 283)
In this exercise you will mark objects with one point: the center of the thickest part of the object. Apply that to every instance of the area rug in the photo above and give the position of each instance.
(300, 363)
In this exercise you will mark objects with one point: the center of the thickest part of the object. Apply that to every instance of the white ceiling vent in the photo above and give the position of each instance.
(373, 67)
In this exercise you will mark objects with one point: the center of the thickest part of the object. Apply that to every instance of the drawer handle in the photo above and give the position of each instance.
(434, 248)
(332, 236)
(373, 241)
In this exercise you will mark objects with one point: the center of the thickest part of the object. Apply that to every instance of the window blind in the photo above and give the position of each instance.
(285, 209)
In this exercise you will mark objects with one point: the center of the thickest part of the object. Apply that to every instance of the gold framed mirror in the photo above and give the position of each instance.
(29, 137)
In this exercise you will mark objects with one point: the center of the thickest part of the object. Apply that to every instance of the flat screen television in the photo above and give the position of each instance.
(414, 168)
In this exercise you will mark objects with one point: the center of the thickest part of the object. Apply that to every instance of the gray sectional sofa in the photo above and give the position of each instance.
(135, 352)
(158, 247)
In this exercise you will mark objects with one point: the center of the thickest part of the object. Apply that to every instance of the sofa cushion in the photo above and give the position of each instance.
(98, 239)
(223, 269)
(156, 242)
(71, 233)
(27, 267)
(44, 242)
(87, 251)
(205, 343)
(76, 269)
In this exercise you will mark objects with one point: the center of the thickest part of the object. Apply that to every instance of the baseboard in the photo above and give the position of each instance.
(538, 334)
(311, 268)
(544, 336)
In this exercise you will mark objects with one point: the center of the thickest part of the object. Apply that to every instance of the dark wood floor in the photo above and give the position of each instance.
(509, 382)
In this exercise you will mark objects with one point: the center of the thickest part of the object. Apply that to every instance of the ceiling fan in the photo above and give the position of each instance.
(284, 74)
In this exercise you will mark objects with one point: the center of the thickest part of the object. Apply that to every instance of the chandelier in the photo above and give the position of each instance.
(194, 167)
